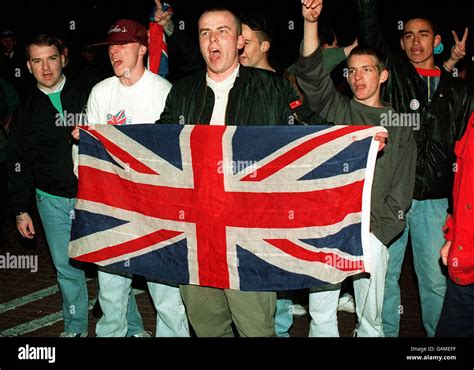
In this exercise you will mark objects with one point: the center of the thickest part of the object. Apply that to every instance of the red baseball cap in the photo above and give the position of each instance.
(124, 31)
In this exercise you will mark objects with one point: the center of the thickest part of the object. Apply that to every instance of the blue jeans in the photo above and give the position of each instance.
(368, 292)
(283, 317)
(120, 313)
(425, 220)
(56, 215)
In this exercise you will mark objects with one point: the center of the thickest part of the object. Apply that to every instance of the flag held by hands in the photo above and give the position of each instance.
(251, 208)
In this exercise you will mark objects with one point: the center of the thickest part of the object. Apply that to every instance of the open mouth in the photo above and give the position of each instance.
(116, 63)
(214, 55)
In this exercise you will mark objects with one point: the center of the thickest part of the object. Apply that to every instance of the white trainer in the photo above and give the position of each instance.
(297, 310)
(346, 303)
(143, 334)
(72, 335)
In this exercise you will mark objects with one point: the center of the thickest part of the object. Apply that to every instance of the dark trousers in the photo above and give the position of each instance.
(457, 315)
(3, 196)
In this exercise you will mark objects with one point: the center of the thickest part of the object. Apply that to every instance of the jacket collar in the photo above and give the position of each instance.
(242, 77)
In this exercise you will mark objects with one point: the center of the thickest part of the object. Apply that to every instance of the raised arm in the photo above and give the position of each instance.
(458, 51)
(312, 75)
(162, 14)
(311, 10)
(370, 29)
(184, 55)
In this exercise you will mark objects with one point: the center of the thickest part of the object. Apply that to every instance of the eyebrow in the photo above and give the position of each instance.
(49, 56)
(218, 28)
(364, 66)
(419, 31)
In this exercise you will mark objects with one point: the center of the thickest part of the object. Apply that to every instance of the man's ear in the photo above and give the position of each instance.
(63, 60)
(28, 64)
(437, 40)
(402, 45)
(142, 50)
(240, 42)
(265, 46)
(383, 76)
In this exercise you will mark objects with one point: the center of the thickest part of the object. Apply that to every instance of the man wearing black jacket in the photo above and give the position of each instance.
(40, 155)
(229, 94)
(440, 103)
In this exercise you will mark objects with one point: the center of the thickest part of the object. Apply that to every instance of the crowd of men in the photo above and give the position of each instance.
(412, 195)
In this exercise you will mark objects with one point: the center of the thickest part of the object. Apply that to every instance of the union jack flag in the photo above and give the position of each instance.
(158, 50)
(250, 208)
(119, 119)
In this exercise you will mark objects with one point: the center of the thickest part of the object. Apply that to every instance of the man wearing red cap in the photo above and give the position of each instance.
(133, 95)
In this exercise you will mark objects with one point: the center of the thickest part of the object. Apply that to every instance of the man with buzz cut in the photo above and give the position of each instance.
(228, 93)
(394, 176)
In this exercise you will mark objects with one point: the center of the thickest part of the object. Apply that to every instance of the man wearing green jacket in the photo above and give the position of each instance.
(394, 172)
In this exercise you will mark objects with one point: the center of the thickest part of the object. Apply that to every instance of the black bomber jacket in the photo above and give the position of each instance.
(258, 98)
(40, 146)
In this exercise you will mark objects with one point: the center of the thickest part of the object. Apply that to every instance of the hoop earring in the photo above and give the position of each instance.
(438, 49)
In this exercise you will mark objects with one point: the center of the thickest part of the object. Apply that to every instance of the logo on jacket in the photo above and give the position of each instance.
(119, 119)
(414, 104)
(296, 104)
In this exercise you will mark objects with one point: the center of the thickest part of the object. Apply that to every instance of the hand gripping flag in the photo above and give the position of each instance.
(251, 208)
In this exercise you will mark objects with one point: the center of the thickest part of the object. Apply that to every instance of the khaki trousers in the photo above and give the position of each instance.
(211, 311)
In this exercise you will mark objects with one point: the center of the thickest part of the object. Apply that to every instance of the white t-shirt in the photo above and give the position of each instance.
(110, 102)
(221, 93)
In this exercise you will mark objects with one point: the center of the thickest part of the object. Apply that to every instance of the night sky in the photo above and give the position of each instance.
(88, 20)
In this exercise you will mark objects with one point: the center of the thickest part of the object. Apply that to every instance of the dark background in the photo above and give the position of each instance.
(92, 18)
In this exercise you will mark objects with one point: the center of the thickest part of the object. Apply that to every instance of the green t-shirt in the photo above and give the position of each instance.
(56, 101)
(45, 194)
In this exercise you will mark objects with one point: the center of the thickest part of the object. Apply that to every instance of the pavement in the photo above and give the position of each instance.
(30, 302)
(30, 307)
